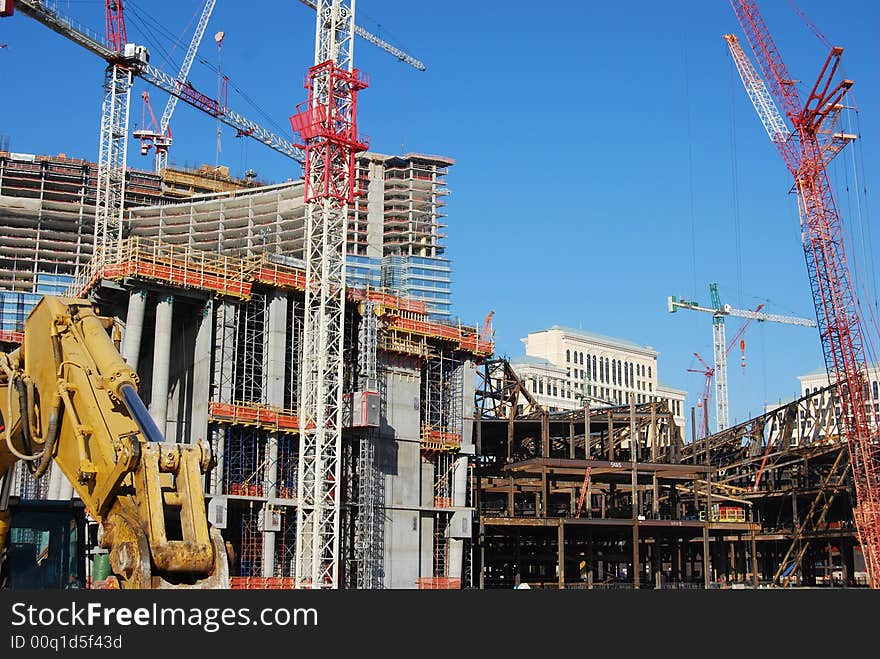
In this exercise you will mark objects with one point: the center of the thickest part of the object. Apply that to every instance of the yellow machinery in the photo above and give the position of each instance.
(66, 395)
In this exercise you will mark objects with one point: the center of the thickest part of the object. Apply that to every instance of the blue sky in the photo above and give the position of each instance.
(607, 155)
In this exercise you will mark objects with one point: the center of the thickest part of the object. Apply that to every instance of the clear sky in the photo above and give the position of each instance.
(606, 153)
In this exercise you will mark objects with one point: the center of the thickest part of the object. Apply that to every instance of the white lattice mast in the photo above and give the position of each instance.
(110, 195)
(328, 125)
(719, 347)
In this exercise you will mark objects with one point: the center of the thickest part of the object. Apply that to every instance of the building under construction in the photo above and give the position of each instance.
(612, 497)
(212, 318)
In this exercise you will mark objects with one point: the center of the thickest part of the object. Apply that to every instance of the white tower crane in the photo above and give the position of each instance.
(719, 341)
(125, 61)
(160, 137)
(327, 124)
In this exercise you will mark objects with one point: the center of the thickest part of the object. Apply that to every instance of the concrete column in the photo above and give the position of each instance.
(201, 376)
(459, 495)
(268, 552)
(59, 487)
(276, 341)
(273, 394)
(161, 361)
(134, 326)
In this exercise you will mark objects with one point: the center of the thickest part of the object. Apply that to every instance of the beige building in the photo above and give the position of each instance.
(818, 379)
(563, 365)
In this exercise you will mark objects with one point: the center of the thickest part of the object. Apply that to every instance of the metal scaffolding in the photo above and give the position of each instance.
(244, 461)
(371, 486)
(250, 347)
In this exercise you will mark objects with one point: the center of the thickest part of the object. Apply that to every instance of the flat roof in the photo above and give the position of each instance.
(595, 336)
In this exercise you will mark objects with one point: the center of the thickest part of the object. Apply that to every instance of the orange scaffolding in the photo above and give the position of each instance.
(439, 583)
(252, 414)
(180, 265)
(8, 336)
(438, 440)
(261, 583)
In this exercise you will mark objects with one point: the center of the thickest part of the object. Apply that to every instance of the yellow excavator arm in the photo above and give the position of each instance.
(68, 397)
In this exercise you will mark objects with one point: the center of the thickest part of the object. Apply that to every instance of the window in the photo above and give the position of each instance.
(649, 373)
(567, 355)
(650, 387)
(540, 386)
(601, 370)
(607, 370)
(588, 367)
(595, 372)
(582, 359)
(626, 373)
(874, 387)
(613, 371)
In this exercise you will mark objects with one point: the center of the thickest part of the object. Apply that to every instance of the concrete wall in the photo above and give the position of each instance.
(399, 462)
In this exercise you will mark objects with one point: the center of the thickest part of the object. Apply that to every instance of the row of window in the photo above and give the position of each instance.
(875, 388)
(609, 371)
(561, 389)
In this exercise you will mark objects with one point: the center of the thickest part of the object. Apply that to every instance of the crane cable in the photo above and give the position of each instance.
(734, 166)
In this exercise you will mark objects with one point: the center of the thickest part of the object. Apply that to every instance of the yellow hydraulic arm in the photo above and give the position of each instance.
(66, 395)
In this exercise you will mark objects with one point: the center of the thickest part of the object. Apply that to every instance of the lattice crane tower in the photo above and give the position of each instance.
(118, 77)
(806, 148)
(328, 124)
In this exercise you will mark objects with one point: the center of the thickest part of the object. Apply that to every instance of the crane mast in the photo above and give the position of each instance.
(112, 151)
(328, 125)
(812, 143)
(719, 350)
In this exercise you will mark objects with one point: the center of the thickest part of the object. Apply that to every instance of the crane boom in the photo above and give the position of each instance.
(761, 99)
(768, 317)
(720, 346)
(379, 42)
(834, 296)
(182, 75)
(673, 304)
(167, 83)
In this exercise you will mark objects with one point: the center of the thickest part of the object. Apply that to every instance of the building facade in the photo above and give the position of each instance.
(395, 233)
(817, 380)
(230, 294)
(563, 366)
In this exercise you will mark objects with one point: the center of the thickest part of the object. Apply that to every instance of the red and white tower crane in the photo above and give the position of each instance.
(807, 141)
(328, 124)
